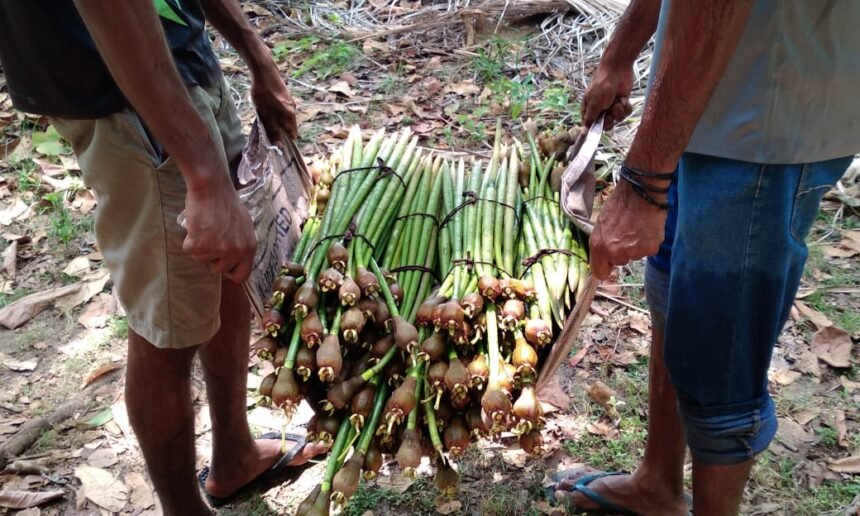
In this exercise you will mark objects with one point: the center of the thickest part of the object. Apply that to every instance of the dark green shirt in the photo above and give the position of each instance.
(52, 66)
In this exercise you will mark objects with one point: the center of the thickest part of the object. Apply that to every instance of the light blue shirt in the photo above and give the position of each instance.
(791, 92)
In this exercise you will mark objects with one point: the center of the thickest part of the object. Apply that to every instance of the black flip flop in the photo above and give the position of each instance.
(581, 486)
(266, 477)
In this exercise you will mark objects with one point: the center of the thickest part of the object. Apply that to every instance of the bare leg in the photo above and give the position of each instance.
(657, 485)
(718, 490)
(158, 397)
(236, 457)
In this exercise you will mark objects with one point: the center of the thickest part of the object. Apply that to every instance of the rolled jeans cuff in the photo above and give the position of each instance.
(728, 435)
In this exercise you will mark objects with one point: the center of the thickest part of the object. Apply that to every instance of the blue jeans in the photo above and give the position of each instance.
(723, 284)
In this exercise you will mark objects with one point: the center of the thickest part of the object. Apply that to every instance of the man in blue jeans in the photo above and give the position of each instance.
(750, 118)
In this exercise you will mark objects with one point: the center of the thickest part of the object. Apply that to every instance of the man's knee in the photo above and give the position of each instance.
(147, 360)
(729, 435)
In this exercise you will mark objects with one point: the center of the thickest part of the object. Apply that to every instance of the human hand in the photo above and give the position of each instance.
(275, 105)
(628, 228)
(609, 91)
(220, 231)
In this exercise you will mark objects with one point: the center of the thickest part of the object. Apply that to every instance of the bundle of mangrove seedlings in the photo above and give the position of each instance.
(418, 306)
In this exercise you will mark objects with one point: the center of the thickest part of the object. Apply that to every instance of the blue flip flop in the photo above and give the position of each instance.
(266, 477)
(581, 486)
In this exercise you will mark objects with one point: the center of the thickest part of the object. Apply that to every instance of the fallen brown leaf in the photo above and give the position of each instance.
(98, 372)
(841, 429)
(102, 458)
(838, 252)
(605, 397)
(792, 435)
(577, 358)
(805, 416)
(84, 201)
(98, 312)
(624, 358)
(20, 366)
(343, 88)
(19, 312)
(847, 384)
(12, 211)
(784, 376)
(141, 494)
(640, 322)
(553, 393)
(396, 481)
(50, 169)
(10, 259)
(10, 425)
(833, 346)
(449, 507)
(464, 88)
(78, 267)
(808, 363)
(26, 499)
(100, 487)
(91, 284)
(845, 465)
(432, 85)
(371, 47)
(545, 508)
(815, 317)
(852, 235)
(603, 429)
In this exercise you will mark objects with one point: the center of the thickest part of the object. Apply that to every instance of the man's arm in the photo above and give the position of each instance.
(701, 37)
(274, 103)
(131, 42)
(613, 80)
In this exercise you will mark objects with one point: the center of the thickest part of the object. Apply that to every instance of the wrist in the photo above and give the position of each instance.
(652, 187)
(259, 58)
(616, 57)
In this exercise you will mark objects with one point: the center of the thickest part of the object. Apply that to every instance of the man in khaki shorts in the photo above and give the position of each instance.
(136, 89)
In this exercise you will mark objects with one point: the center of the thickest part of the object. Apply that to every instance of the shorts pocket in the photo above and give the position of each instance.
(147, 141)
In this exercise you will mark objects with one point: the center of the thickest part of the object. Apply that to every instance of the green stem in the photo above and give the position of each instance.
(412, 419)
(379, 366)
(499, 219)
(493, 354)
(432, 427)
(335, 325)
(383, 286)
(339, 442)
(293, 349)
(370, 428)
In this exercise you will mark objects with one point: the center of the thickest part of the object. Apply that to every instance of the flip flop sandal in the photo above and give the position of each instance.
(266, 477)
(581, 486)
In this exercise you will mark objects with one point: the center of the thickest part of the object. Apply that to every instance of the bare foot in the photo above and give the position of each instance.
(624, 491)
(265, 454)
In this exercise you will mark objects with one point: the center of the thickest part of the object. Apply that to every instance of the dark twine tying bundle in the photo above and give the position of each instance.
(384, 171)
(419, 268)
(419, 214)
(347, 236)
(472, 198)
(531, 260)
(469, 263)
(544, 197)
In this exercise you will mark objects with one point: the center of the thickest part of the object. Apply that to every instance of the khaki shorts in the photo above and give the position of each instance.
(171, 300)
